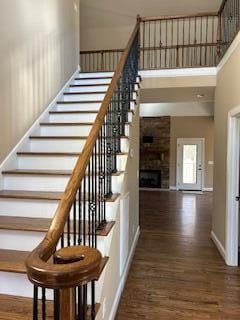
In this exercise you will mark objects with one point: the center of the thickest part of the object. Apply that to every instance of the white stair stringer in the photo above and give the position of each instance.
(57, 154)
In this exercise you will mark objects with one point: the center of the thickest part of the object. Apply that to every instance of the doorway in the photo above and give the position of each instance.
(190, 164)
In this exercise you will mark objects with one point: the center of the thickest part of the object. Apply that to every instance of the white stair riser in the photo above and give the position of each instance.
(83, 106)
(58, 163)
(84, 97)
(95, 74)
(71, 117)
(43, 209)
(78, 107)
(28, 208)
(69, 130)
(81, 117)
(47, 163)
(64, 130)
(88, 89)
(27, 241)
(88, 97)
(58, 145)
(47, 183)
(18, 285)
(92, 81)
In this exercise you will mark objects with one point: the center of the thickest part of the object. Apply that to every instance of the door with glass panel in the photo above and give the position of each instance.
(190, 164)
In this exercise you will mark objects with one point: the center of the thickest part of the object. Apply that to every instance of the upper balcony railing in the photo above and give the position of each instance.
(229, 23)
(186, 41)
(179, 42)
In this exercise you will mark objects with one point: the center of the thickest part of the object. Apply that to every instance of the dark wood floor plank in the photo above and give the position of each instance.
(177, 273)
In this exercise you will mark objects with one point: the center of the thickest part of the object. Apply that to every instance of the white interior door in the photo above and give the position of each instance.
(190, 164)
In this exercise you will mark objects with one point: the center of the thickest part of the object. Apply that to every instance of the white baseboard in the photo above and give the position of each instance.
(218, 244)
(124, 277)
(206, 189)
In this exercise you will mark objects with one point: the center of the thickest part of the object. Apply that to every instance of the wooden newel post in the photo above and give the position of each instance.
(89, 260)
(67, 308)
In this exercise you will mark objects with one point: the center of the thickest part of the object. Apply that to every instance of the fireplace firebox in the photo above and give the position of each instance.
(150, 179)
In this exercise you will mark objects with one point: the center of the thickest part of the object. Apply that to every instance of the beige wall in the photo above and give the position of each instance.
(38, 52)
(227, 97)
(192, 127)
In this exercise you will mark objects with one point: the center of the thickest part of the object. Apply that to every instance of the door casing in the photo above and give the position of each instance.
(233, 173)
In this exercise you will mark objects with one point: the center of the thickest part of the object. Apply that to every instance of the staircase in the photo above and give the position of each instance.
(33, 188)
(64, 224)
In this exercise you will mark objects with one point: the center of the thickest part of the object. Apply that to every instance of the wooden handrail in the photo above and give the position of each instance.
(101, 51)
(40, 271)
(222, 6)
(204, 14)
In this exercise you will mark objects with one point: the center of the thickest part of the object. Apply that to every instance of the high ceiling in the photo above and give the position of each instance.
(109, 13)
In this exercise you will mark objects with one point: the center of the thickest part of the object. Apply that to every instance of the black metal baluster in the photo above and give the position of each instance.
(93, 310)
(68, 231)
(97, 175)
(43, 304)
(80, 216)
(35, 303)
(104, 164)
(84, 210)
(89, 202)
(80, 303)
(93, 208)
(84, 308)
(183, 44)
(56, 305)
(160, 44)
(166, 43)
(74, 223)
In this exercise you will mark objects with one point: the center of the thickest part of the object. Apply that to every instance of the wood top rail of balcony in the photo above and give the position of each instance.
(184, 16)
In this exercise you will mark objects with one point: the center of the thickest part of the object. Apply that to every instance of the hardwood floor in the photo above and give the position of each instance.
(177, 272)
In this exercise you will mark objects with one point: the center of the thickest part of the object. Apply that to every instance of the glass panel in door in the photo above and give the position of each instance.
(189, 164)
